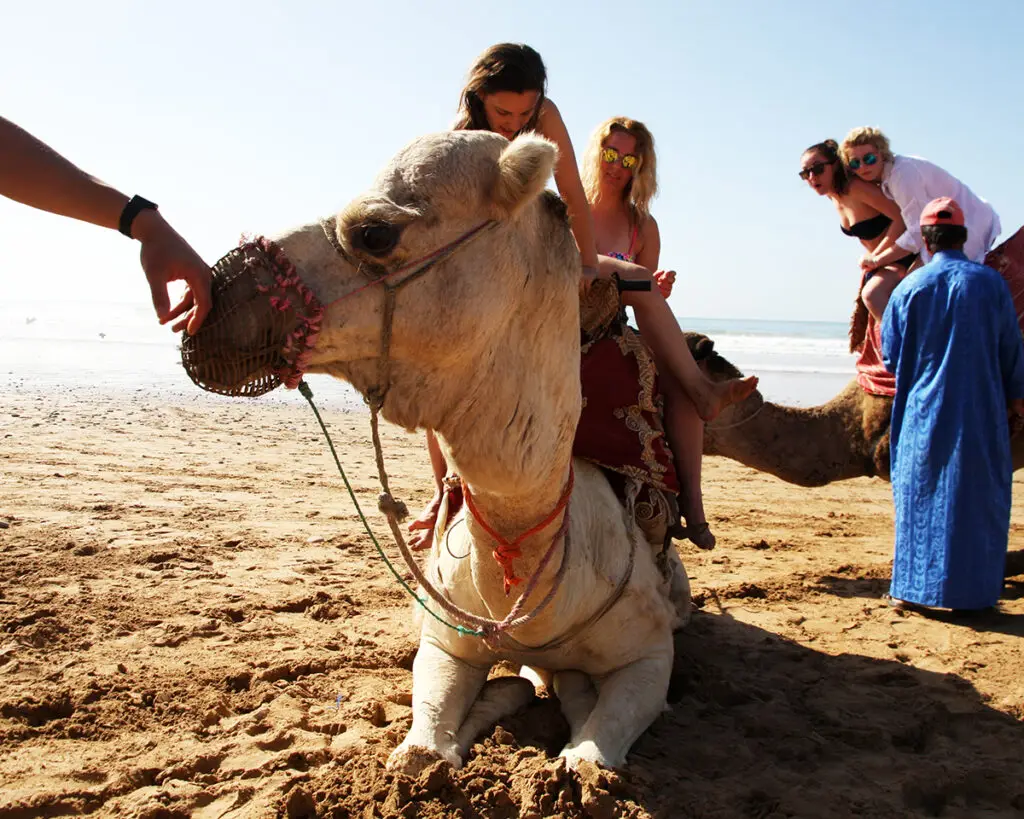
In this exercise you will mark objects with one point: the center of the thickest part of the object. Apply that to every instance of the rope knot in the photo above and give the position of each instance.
(490, 633)
(392, 508)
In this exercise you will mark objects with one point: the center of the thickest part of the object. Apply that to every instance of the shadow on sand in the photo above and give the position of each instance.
(758, 727)
(990, 620)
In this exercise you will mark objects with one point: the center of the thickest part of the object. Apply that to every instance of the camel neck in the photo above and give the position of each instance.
(808, 446)
(509, 435)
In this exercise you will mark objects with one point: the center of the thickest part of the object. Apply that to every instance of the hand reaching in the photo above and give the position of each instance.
(166, 257)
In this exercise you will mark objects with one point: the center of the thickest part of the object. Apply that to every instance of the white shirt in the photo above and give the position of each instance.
(912, 182)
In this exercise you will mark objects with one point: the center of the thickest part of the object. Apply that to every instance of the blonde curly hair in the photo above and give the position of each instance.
(643, 186)
(866, 135)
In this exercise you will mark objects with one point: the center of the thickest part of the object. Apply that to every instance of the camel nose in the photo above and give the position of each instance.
(259, 329)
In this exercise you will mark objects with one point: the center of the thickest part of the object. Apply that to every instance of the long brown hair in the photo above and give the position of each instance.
(511, 67)
(643, 184)
(830, 150)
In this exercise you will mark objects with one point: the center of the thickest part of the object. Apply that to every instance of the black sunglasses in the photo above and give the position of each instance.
(818, 168)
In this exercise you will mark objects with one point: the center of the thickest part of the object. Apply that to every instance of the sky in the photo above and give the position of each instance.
(252, 117)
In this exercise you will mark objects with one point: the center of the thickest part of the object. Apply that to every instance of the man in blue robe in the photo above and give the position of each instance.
(951, 338)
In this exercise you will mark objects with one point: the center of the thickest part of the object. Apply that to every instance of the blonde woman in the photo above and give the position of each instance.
(620, 180)
(912, 182)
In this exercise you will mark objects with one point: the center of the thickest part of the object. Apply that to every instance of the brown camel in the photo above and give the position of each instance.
(847, 437)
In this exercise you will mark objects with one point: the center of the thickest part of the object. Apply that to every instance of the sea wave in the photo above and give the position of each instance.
(123, 345)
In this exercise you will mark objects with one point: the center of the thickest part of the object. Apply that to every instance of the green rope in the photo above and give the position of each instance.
(307, 393)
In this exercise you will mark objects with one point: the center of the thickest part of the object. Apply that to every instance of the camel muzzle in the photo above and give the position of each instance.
(262, 326)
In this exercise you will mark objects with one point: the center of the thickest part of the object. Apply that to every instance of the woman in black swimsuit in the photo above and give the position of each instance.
(864, 212)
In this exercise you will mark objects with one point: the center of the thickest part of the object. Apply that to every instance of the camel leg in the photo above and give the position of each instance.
(499, 698)
(679, 589)
(577, 696)
(443, 690)
(628, 701)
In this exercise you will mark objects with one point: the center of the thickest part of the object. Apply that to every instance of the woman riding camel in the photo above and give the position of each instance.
(506, 94)
(620, 180)
(864, 212)
(910, 183)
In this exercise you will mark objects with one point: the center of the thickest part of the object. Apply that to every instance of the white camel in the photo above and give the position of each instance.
(484, 349)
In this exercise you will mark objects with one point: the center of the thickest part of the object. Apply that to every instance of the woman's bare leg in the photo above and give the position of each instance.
(878, 289)
(663, 335)
(686, 436)
(424, 524)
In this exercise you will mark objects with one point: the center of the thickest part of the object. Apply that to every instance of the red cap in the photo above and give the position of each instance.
(942, 211)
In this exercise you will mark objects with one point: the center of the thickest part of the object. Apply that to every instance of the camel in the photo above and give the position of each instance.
(847, 437)
(483, 348)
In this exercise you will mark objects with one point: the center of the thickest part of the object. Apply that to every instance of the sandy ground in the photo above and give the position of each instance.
(192, 623)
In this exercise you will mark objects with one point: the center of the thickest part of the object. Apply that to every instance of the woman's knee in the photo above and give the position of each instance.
(877, 290)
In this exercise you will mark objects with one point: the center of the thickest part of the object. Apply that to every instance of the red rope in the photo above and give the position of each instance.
(508, 550)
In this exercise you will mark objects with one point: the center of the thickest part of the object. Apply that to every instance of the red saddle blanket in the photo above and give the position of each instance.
(1007, 258)
(621, 426)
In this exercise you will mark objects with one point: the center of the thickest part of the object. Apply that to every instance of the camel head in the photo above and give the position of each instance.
(484, 274)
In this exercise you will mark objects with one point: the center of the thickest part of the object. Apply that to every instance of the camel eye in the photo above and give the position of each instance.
(377, 238)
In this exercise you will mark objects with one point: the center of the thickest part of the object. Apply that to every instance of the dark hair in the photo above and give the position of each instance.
(511, 67)
(944, 237)
(830, 150)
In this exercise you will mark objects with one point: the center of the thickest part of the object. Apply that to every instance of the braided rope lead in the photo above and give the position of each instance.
(394, 510)
(307, 393)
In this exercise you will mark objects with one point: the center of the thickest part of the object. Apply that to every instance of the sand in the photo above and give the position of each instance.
(192, 623)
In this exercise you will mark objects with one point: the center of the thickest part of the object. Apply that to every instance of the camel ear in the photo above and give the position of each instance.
(524, 168)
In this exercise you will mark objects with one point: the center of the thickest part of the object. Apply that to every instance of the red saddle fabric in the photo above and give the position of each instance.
(871, 373)
(621, 426)
(1008, 259)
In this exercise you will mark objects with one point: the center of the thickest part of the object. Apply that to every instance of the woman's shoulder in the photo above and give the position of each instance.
(549, 118)
(548, 109)
(551, 126)
(647, 232)
(860, 191)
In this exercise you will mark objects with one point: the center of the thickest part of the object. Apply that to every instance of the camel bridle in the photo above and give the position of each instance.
(392, 282)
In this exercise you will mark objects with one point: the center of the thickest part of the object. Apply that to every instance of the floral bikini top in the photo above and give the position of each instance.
(628, 256)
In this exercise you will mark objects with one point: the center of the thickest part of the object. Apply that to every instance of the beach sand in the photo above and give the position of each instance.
(193, 624)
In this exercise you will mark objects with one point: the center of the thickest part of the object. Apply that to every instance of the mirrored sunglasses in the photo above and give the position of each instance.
(869, 159)
(628, 161)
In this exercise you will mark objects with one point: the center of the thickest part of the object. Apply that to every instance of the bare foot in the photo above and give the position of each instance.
(721, 394)
(423, 526)
(700, 535)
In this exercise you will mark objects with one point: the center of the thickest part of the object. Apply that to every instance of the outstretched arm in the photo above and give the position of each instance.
(34, 174)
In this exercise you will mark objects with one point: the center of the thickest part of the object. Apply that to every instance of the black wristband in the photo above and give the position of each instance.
(135, 205)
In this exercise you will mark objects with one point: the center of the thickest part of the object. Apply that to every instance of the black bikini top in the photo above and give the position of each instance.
(868, 228)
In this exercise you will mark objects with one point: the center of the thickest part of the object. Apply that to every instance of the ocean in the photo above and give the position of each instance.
(121, 347)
